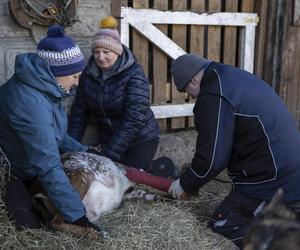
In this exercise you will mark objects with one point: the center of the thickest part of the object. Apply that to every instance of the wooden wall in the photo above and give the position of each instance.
(288, 71)
(276, 54)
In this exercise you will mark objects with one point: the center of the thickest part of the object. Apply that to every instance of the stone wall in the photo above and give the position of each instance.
(179, 146)
(15, 39)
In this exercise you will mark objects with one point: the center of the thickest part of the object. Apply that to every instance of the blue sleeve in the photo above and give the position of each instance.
(136, 104)
(79, 113)
(69, 144)
(215, 124)
(32, 123)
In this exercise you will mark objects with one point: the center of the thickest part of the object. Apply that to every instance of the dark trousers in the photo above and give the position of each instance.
(141, 155)
(18, 203)
(233, 217)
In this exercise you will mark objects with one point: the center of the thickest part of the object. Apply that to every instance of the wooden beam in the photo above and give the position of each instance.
(247, 54)
(297, 12)
(159, 39)
(174, 110)
(187, 17)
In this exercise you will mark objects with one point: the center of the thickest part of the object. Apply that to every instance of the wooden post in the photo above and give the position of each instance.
(214, 34)
(115, 10)
(196, 41)
(139, 43)
(230, 36)
(261, 7)
(160, 63)
(178, 36)
(246, 6)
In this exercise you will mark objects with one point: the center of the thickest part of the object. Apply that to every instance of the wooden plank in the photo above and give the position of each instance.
(179, 37)
(296, 12)
(124, 32)
(247, 60)
(197, 31)
(270, 45)
(196, 41)
(287, 63)
(247, 6)
(187, 17)
(174, 110)
(297, 72)
(115, 10)
(260, 52)
(158, 38)
(289, 87)
(160, 67)
(214, 34)
(230, 36)
(139, 43)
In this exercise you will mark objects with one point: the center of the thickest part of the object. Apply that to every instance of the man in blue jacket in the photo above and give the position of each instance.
(33, 129)
(243, 126)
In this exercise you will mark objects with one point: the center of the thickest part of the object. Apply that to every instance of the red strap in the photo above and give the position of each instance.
(141, 177)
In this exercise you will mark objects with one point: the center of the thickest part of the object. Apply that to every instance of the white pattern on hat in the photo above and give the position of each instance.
(60, 58)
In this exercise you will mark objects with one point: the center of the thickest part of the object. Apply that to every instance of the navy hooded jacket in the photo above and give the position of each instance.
(33, 131)
(120, 105)
(244, 126)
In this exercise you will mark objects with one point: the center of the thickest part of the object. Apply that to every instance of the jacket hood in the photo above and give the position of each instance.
(123, 62)
(32, 71)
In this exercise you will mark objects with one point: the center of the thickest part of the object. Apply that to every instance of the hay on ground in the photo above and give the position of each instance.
(136, 225)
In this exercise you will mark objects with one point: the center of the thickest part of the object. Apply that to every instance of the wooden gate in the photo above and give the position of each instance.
(219, 43)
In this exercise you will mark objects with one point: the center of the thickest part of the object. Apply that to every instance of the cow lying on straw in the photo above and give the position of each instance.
(102, 185)
(276, 228)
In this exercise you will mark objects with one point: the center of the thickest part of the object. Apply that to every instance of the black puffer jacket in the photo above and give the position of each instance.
(120, 105)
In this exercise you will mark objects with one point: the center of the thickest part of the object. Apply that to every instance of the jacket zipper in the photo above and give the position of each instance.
(101, 102)
(103, 111)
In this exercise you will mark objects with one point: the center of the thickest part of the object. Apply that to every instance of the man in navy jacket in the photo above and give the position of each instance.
(243, 126)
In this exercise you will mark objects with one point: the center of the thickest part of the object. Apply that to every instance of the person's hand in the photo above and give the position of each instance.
(95, 150)
(84, 222)
(176, 191)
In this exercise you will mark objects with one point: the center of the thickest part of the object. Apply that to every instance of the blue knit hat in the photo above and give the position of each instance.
(60, 52)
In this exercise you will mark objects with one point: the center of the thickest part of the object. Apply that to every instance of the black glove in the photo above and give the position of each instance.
(93, 151)
(84, 222)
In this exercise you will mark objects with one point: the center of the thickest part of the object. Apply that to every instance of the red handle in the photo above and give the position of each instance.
(141, 177)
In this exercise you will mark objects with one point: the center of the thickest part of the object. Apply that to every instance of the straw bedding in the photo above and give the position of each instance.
(136, 225)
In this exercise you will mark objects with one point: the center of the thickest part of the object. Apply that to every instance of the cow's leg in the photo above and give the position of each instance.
(133, 193)
(44, 207)
(58, 224)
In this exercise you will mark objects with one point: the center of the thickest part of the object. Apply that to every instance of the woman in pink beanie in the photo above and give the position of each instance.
(115, 91)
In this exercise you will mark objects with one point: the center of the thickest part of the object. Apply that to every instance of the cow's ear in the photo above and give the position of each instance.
(276, 209)
(276, 200)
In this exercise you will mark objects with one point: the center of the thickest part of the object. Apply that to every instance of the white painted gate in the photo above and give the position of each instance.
(143, 20)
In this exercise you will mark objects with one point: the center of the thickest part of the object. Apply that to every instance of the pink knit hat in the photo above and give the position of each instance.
(108, 37)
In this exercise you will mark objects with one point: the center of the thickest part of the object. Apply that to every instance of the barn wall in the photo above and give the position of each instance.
(289, 68)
